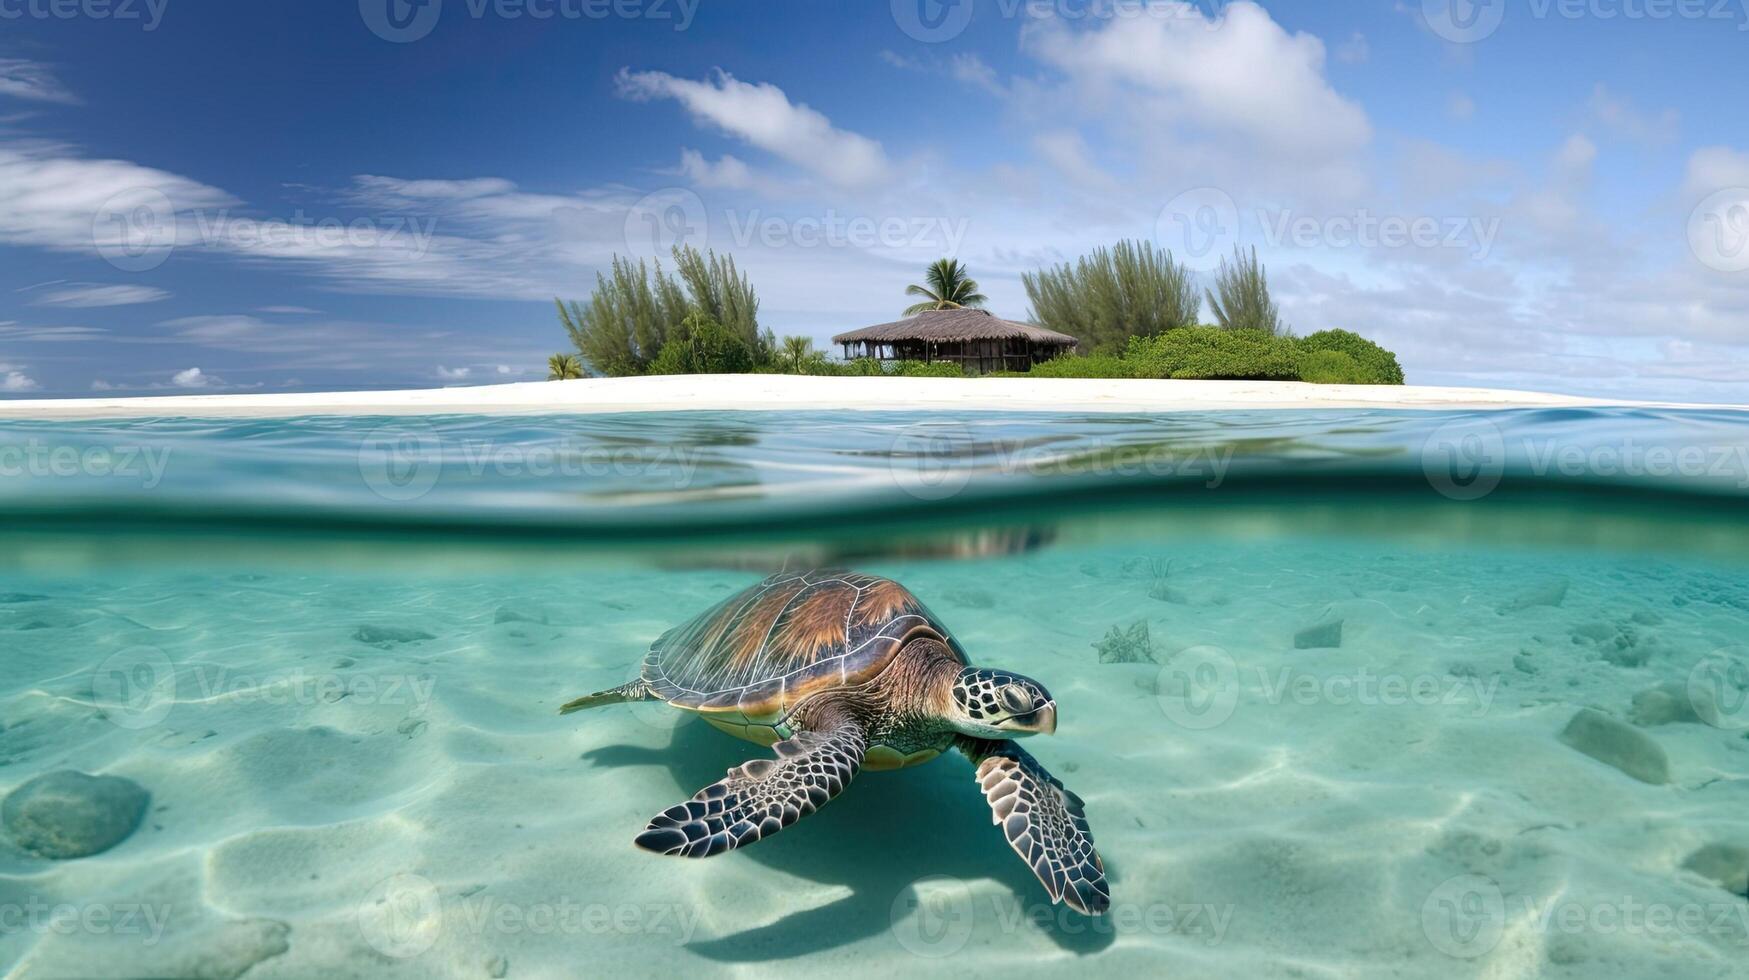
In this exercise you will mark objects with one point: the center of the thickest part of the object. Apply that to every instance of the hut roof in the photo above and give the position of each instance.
(955, 325)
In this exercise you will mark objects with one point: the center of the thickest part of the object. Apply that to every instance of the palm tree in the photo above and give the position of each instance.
(564, 367)
(950, 288)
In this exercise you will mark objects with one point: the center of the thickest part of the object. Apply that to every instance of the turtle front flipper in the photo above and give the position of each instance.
(761, 797)
(1045, 823)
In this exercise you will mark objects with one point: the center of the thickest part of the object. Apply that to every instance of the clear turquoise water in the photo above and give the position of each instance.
(332, 651)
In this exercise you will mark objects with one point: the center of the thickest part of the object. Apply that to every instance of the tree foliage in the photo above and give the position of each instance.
(1240, 299)
(949, 287)
(701, 345)
(564, 367)
(1130, 290)
(633, 312)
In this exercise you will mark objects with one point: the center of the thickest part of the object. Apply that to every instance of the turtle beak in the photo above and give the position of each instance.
(1039, 721)
(1046, 719)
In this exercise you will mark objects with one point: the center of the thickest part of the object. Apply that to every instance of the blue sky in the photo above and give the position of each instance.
(211, 195)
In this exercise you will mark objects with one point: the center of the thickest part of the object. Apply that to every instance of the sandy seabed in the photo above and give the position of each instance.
(364, 775)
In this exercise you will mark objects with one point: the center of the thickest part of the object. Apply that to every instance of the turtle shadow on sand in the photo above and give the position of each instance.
(882, 834)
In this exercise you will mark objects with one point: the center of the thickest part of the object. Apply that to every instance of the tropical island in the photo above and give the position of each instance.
(1125, 312)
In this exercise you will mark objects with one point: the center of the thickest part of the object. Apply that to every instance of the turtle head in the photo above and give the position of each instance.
(1002, 704)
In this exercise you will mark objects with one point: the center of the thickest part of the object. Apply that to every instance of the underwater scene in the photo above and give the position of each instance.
(1332, 693)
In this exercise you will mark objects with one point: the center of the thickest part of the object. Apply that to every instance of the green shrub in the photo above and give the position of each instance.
(1210, 353)
(701, 345)
(1090, 366)
(920, 369)
(1377, 366)
(1330, 367)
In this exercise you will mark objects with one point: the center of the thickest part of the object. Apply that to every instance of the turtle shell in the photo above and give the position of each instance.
(758, 653)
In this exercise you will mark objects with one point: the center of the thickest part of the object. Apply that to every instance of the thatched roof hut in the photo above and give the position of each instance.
(975, 339)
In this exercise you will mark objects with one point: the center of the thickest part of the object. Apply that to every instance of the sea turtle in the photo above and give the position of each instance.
(840, 671)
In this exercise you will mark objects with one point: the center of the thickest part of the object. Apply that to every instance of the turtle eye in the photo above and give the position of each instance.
(1016, 699)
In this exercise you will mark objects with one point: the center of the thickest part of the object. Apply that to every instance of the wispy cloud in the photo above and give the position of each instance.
(22, 79)
(763, 116)
(81, 296)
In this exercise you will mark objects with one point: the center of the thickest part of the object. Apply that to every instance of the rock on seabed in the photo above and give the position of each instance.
(67, 814)
(1614, 743)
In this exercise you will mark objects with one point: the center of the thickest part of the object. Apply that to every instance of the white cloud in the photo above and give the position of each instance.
(23, 79)
(453, 374)
(82, 296)
(13, 378)
(288, 310)
(1205, 72)
(1714, 168)
(194, 378)
(1623, 119)
(971, 69)
(50, 196)
(26, 333)
(1355, 50)
(763, 116)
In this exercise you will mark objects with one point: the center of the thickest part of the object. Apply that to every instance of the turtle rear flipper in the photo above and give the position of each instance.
(1045, 823)
(761, 797)
(635, 691)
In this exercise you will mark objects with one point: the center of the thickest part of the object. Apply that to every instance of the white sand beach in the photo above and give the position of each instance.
(772, 392)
